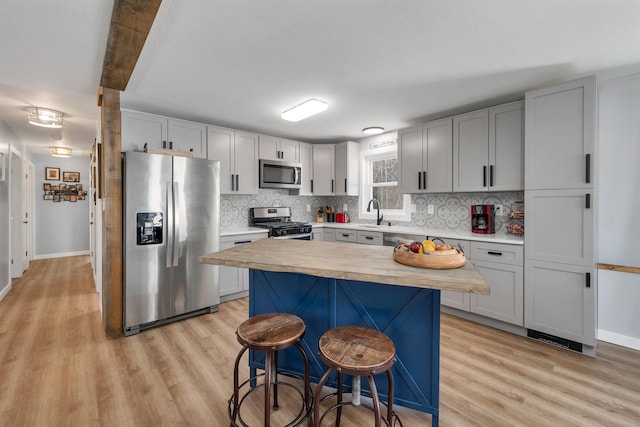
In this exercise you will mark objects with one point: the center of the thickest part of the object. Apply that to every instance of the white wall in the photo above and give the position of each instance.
(62, 228)
(618, 208)
(8, 139)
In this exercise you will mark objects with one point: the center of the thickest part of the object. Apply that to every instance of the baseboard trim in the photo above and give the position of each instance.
(5, 291)
(619, 339)
(61, 255)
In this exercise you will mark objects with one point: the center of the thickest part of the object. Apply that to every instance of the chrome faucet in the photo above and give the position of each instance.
(378, 216)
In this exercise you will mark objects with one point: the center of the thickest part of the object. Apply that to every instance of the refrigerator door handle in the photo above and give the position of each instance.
(169, 225)
(176, 224)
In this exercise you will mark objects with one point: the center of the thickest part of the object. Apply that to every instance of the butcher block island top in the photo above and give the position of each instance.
(345, 261)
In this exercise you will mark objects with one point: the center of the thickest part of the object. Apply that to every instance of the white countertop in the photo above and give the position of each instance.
(511, 239)
(243, 230)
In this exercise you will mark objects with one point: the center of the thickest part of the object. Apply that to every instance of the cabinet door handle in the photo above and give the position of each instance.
(484, 176)
(345, 185)
(588, 168)
(494, 253)
(368, 237)
(237, 182)
(233, 187)
(332, 186)
(588, 201)
(312, 186)
(424, 180)
(588, 280)
(345, 235)
(164, 144)
(419, 180)
(242, 242)
(491, 176)
(170, 145)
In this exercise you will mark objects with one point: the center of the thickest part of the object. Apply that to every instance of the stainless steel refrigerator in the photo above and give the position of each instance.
(171, 216)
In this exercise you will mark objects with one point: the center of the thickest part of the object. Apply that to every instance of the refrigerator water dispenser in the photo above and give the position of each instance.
(149, 229)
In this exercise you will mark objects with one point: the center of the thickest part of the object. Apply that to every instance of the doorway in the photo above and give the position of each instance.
(16, 214)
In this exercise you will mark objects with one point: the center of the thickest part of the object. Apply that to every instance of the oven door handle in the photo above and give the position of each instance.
(300, 236)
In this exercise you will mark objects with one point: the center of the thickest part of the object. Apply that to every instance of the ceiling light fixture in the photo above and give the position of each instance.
(44, 117)
(60, 151)
(304, 110)
(373, 130)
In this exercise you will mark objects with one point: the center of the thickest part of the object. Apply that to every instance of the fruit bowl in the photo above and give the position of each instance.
(440, 259)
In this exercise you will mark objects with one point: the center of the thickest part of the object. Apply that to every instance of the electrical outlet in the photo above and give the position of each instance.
(345, 207)
(499, 211)
(430, 209)
(308, 208)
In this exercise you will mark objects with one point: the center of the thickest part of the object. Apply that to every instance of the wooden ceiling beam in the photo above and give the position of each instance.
(131, 21)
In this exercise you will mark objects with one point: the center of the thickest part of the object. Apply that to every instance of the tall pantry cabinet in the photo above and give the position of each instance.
(560, 275)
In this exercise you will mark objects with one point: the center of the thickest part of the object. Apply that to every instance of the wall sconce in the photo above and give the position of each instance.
(44, 117)
(60, 151)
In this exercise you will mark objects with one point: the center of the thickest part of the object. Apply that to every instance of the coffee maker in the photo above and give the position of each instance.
(483, 219)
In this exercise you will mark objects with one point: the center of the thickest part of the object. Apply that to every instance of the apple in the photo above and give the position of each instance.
(415, 247)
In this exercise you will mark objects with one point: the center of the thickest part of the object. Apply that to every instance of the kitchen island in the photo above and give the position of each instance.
(330, 284)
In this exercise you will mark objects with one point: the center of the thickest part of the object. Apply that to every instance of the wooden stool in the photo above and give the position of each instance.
(357, 351)
(269, 333)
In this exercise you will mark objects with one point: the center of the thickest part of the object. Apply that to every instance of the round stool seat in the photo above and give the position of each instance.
(355, 350)
(270, 331)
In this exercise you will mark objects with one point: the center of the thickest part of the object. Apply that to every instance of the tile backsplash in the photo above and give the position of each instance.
(451, 210)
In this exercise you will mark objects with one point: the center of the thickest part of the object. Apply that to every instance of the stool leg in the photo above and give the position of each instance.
(236, 385)
(306, 374)
(274, 379)
(390, 399)
(316, 397)
(267, 388)
(339, 411)
(376, 400)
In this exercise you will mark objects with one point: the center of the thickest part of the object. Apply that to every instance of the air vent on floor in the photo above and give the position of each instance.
(553, 340)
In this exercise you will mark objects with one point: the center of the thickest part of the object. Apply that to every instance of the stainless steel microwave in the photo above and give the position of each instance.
(279, 174)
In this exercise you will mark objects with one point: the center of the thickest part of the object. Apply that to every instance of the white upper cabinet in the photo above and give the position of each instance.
(306, 159)
(471, 151)
(272, 148)
(488, 149)
(506, 147)
(347, 170)
(425, 157)
(139, 129)
(561, 130)
(323, 181)
(238, 155)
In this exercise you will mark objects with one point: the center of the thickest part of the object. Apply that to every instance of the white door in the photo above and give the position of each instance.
(16, 216)
(27, 213)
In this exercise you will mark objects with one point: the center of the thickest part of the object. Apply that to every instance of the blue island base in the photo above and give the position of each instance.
(409, 316)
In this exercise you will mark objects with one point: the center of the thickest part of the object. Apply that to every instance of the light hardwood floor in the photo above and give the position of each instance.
(58, 369)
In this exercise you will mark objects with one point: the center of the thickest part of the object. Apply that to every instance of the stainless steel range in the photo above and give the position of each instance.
(278, 221)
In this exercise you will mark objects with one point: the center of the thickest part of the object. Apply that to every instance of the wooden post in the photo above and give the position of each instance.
(112, 214)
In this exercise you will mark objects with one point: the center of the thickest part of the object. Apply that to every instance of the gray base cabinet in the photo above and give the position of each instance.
(561, 300)
(501, 265)
(234, 281)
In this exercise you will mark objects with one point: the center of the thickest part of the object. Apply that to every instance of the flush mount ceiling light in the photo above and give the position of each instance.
(304, 110)
(60, 151)
(44, 117)
(373, 130)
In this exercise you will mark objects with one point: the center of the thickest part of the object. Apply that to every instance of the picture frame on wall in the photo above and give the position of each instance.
(52, 174)
(70, 176)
